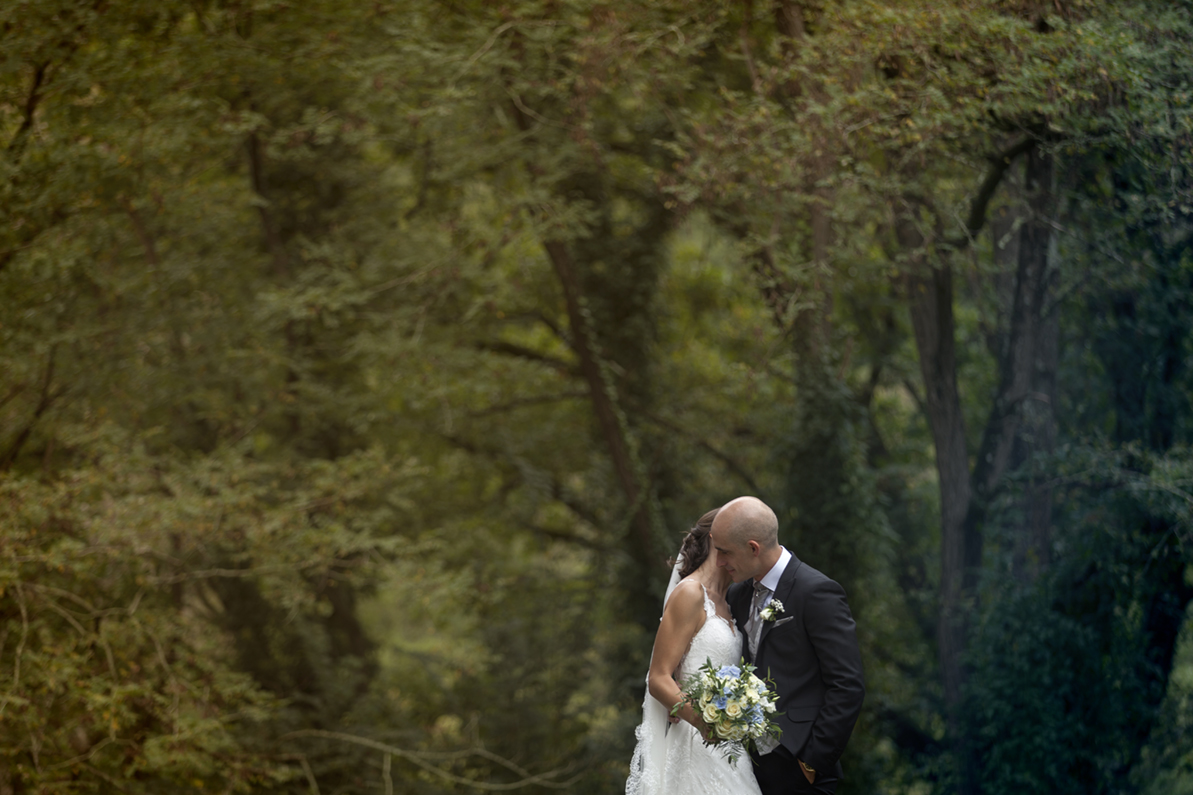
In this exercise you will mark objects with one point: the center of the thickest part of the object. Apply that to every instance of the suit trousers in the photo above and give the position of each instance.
(779, 773)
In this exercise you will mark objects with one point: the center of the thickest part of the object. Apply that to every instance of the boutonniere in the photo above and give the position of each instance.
(772, 611)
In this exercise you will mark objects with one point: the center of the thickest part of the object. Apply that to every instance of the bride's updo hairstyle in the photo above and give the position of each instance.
(696, 544)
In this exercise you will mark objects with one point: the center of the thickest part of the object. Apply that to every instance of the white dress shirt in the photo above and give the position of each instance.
(770, 580)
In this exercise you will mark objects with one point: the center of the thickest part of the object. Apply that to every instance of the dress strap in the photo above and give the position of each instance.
(710, 608)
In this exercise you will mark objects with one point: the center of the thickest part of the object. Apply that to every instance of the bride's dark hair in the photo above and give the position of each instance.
(696, 544)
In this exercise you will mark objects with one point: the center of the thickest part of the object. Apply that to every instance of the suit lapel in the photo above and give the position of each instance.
(739, 603)
(739, 607)
(782, 593)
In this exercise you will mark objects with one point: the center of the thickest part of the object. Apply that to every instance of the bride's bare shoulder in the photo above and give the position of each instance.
(687, 597)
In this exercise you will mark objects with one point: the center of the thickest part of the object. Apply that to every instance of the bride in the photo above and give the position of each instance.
(671, 758)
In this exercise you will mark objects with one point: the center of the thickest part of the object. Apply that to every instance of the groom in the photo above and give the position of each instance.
(808, 649)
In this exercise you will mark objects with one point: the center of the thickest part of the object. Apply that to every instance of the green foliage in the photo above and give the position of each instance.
(297, 446)
(1070, 672)
(832, 506)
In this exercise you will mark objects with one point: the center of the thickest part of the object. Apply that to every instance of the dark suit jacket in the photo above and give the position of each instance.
(811, 654)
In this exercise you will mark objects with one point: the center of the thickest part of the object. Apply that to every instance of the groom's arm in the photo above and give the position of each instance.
(833, 635)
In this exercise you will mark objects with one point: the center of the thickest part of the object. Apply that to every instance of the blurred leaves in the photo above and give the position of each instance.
(303, 479)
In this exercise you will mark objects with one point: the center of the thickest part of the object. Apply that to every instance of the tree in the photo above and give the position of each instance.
(901, 98)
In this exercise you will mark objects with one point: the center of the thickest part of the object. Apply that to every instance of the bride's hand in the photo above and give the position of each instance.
(706, 732)
(686, 713)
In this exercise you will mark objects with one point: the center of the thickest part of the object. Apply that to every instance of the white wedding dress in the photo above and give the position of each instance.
(672, 759)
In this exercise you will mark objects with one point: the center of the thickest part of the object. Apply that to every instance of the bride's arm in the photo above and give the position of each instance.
(682, 618)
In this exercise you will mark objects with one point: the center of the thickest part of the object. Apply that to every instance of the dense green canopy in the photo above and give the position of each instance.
(361, 364)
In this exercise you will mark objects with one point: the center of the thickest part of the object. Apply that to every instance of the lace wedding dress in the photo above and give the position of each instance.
(672, 759)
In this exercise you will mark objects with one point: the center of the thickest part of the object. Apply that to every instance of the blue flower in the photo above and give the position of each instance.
(730, 671)
(720, 701)
(756, 716)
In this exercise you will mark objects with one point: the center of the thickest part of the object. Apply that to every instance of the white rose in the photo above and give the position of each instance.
(733, 708)
(736, 733)
(709, 713)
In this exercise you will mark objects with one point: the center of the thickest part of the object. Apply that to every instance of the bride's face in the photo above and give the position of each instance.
(715, 573)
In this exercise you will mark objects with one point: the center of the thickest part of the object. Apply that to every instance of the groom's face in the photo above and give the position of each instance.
(740, 561)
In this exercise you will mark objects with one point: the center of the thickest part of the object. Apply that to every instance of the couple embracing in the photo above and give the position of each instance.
(807, 648)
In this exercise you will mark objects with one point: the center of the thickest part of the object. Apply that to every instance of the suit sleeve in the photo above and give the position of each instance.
(833, 636)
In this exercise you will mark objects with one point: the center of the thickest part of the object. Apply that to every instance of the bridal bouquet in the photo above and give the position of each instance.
(735, 704)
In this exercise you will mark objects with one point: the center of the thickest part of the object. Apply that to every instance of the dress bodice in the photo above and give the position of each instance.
(716, 640)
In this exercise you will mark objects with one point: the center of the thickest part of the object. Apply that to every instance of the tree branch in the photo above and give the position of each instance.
(609, 414)
(536, 400)
(558, 492)
(704, 444)
(273, 237)
(571, 538)
(425, 184)
(421, 759)
(999, 165)
(12, 394)
(522, 352)
(20, 651)
(909, 385)
(47, 399)
(17, 143)
(142, 231)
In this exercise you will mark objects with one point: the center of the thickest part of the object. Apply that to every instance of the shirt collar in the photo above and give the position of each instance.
(771, 579)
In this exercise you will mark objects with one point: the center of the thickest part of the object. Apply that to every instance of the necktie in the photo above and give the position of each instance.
(760, 594)
(766, 743)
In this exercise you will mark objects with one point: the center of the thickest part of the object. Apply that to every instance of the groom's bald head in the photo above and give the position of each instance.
(749, 519)
(746, 537)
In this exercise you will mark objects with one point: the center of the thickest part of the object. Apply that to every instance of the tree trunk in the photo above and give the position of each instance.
(930, 300)
(644, 520)
(609, 415)
(269, 226)
(1020, 423)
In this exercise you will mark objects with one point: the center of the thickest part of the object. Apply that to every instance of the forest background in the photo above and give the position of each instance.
(362, 363)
